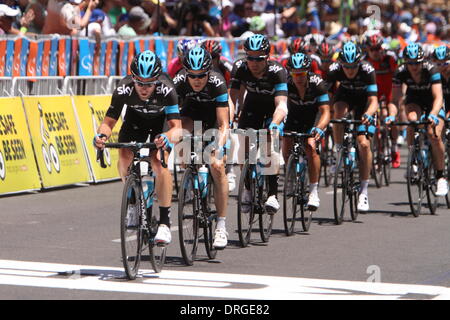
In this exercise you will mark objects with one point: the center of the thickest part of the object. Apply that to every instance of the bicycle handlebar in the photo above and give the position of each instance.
(130, 145)
(299, 134)
(410, 123)
(346, 121)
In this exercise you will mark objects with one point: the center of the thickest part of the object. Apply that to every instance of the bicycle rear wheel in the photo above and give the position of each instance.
(188, 224)
(340, 194)
(290, 197)
(430, 185)
(210, 216)
(157, 253)
(414, 181)
(245, 206)
(131, 231)
(306, 214)
(377, 158)
(327, 160)
(265, 219)
(353, 194)
(387, 158)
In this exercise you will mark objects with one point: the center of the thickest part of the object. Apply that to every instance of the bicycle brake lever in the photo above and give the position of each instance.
(101, 158)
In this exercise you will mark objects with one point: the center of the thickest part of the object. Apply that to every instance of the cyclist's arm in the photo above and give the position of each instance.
(280, 109)
(325, 116)
(223, 121)
(104, 129)
(438, 100)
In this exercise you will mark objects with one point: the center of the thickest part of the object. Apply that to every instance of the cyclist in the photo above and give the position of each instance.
(151, 101)
(357, 92)
(423, 99)
(266, 99)
(441, 58)
(308, 96)
(385, 67)
(325, 52)
(205, 98)
(177, 63)
(224, 67)
(299, 45)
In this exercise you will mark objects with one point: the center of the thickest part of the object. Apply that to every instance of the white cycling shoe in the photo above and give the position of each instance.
(313, 201)
(363, 203)
(163, 236)
(272, 205)
(442, 187)
(220, 239)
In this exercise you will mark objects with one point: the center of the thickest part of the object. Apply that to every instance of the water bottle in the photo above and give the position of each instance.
(259, 173)
(424, 153)
(203, 180)
(352, 156)
(147, 187)
(300, 164)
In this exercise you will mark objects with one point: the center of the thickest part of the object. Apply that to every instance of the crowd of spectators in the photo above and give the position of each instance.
(424, 20)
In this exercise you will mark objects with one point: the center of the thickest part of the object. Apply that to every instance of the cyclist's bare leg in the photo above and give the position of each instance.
(126, 156)
(163, 186)
(413, 113)
(365, 157)
(394, 129)
(220, 184)
(437, 145)
(313, 161)
(340, 110)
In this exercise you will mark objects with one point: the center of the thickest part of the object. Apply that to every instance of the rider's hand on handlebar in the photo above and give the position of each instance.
(162, 141)
(319, 133)
(367, 119)
(99, 141)
(389, 120)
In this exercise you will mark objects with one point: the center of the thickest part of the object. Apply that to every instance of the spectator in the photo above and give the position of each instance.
(163, 25)
(36, 10)
(7, 16)
(64, 17)
(138, 23)
(194, 20)
(226, 23)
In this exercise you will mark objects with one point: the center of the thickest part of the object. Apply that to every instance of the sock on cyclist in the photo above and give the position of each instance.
(221, 222)
(164, 216)
(439, 174)
(364, 186)
(313, 187)
(273, 185)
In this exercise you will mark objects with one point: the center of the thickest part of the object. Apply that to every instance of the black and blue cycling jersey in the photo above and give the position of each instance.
(143, 117)
(201, 105)
(302, 112)
(418, 93)
(259, 102)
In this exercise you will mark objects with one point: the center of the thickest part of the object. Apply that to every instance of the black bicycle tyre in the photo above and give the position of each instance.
(290, 205)
(131, 257)
(377, 159)
(211, 220)
(188, 224)
(430, 187)
(340, 190)
(245, 220)
(414, 181)
(265, 219)
(157, 253)
(353, 194)
(387, 158)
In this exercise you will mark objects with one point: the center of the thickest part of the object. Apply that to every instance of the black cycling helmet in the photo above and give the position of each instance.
(299, 61)
(257, 42)
(146, 65)
(373, 41)
(213, 47)
(197, 58)
(350, 53)
(441, 53)
(413, 52)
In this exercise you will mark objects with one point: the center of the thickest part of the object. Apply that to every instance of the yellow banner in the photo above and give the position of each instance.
(91, 110)
(56, 139)
(18, 171)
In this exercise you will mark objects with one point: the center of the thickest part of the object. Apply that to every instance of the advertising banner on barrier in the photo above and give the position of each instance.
(56, 139)
(91, 110)
(18, 170)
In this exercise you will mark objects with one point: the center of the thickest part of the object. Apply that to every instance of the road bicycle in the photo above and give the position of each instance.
(327, 157)
(197, 217)
(447, 156)
(346, 183)
(138, 221)
(256, 185)
(381, 154)
(420, 173)
(296, 185)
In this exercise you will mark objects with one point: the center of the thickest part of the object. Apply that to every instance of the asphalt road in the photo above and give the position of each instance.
(63, 244)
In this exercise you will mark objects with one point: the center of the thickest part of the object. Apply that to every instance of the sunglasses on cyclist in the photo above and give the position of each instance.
(258, 59)
(441, 64)
(140, 83)
(298, 73)
(197, 76)
(350, 66)
(413, 63)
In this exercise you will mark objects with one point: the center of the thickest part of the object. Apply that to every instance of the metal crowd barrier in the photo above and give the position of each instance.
(37, 86)
(113, 82)
(86, 85)
(5, 86)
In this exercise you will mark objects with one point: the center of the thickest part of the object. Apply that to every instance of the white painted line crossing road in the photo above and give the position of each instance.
(205, 284)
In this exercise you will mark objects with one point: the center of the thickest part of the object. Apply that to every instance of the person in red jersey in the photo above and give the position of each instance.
(385, 66)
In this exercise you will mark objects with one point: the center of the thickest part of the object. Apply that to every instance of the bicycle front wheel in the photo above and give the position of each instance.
(265, 219)
(157, 253)
(387, 158)
(340, 194)
(414, 181)
(188, 225)
(430, 185)
(245, 207)
(210, 216)
(290, 198)
(131, 231)
(377, 159)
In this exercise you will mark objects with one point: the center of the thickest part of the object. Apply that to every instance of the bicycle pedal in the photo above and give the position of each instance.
(312, 208)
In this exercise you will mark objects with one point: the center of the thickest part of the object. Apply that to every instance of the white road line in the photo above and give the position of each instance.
(204, 284)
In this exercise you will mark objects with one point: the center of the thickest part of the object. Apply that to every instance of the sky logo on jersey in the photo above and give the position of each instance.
(215, 80)
(163, 89)
(275, 68)
(123, 89)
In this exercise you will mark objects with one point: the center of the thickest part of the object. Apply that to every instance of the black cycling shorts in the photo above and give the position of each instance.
(139, 133)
